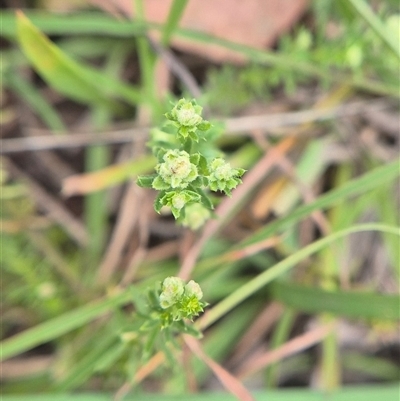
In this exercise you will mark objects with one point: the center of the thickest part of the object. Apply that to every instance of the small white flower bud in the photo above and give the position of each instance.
(171, 291)
(192, 289)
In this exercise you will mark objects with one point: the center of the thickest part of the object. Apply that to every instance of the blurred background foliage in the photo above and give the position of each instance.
(300, 267)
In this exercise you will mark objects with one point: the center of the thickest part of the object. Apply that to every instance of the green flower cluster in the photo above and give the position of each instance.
(180, 301)
(223, 177)
(186, 116)
(175, 171)
(183, 176)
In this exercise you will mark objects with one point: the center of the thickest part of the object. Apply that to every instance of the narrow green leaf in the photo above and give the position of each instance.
(175, 14)
(145, 181)
(83, 369)
(64, 74)
(100, 24)
(204, 200)
(60, 325)
(357, 186)
(354, 304)
(282, 267)
(35, 100)
(158, 204)
(359, 393)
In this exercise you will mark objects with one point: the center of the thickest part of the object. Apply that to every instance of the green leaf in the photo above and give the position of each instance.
(149, 347)
(100, 24)
(159, 184)
(357, 186)
(203, 166)
(351, 393)
(81, 83)
(35, 100)
(158, 201)
(60, 325)
(84, 368)
(284, 266)
(195, 158)
(175, 14)
(204, 199)
(354, 304)
(197, 183)
(204, 126)
(145, 181)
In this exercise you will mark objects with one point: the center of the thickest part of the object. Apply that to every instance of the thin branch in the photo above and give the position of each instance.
(236, 126)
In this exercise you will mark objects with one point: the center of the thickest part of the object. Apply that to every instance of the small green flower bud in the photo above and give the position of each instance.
(178, 201)
(354, 56)
(177, 171)
(186, 113)
(304, 40)
(196, 215)
(223, 177)
(191, 307)
(171, 291)
(186, 116)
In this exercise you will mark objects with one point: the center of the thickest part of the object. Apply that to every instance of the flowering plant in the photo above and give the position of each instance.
(183, 175)
(169, 309)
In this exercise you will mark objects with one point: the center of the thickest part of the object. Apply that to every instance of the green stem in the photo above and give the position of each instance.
(188, 145)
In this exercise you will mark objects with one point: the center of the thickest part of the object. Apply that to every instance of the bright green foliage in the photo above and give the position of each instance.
(223, 177)
(182, 175)
(168, 310)
(186, 116)
(176, 171)
(180, 301)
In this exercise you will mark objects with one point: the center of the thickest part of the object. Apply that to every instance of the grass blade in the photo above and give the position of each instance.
(60, 325)
(174, 16)
(280, 268)
(100, 24)
(357, 186)
(74, 80)
(359, 393)
(364, 10)
(351, 304)
(36, 101)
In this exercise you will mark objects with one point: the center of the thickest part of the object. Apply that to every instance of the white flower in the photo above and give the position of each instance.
(171, 291)
(192, 289)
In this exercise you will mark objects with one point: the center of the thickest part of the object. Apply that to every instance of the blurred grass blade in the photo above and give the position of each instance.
(350, 393)
(359, 305)
(100, 24)
(146, 63)
(174, 16)
(70, 78)
(36, 101)
(78, 25)
(109, 176)
(60, 325)
(372, 366)
(357, 186)
(364, 10)
(260, 281)
(84, 368)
